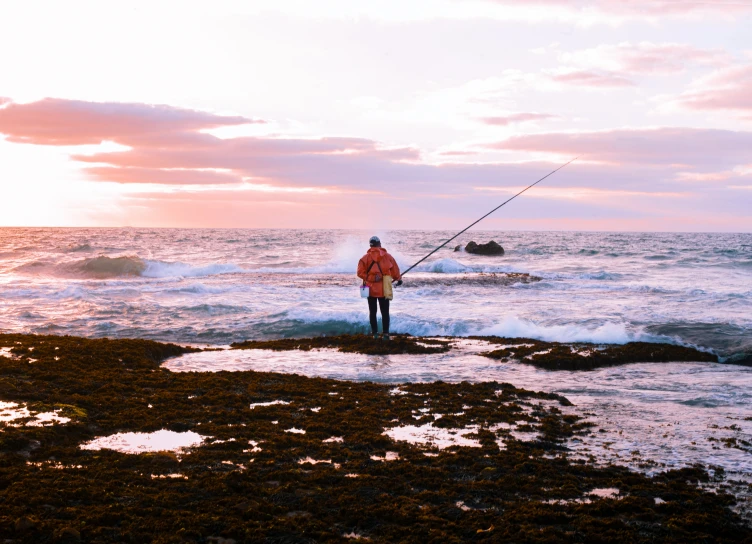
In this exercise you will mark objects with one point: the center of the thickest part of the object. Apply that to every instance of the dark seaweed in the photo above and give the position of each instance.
(572, 356)
(527, 492)
(352, 343)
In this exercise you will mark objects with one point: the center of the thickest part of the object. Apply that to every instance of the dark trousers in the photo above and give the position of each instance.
(384, 306)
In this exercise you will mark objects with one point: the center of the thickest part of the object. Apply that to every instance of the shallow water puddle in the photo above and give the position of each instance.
(605, 492)
(388, 456)
(11, 412)
(174, 476)
(52, 464)
(313, 461)
(355, 536)
(434, 436)
(270, 403)
(6, 352)
(163, 440)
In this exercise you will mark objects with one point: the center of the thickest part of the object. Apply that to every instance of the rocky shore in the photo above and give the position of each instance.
(286, 458)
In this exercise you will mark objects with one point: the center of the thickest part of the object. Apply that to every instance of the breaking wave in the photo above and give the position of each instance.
(607, 333)
(113, 267)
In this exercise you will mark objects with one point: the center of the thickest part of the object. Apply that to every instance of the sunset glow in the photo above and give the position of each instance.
(399, 115)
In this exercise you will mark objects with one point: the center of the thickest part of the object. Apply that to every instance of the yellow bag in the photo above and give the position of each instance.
(388, 291)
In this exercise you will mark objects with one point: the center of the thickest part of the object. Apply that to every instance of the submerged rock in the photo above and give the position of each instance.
(490, 248)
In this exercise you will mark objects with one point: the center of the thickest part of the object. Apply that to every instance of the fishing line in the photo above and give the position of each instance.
(489, 213)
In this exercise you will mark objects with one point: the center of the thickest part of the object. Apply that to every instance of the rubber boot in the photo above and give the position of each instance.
(386, 337)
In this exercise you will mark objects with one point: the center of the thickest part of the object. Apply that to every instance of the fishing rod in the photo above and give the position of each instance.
(489, 213)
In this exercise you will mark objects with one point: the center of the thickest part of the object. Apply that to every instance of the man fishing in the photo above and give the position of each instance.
(377, 268)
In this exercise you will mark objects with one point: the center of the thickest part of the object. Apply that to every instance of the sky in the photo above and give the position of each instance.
(390, 115)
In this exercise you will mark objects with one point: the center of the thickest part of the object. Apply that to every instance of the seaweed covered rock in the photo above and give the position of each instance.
(352, 343)
(585, 356)
(287, 458)
(490, 248)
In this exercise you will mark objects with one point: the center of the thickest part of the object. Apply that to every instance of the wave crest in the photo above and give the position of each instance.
(131, 265)
(111, 267)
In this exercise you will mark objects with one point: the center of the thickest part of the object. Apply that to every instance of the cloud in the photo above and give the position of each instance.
(643, 57)
(166, 145)
(726, 89)
(4, 100)
(506, 120)
(641, 8)
(590, 78)
(458, 153)
(322, 181)
(700, 148)
(55, 121)
(157, 176)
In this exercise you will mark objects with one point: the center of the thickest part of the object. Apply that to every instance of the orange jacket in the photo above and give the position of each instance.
(380, 257)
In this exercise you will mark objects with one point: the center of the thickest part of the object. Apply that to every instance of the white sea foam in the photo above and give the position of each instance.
(159, 269)
(608, 333)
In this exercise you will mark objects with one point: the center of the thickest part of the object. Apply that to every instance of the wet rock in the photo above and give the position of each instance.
(24, 524)
(352, 343)
(68, 534)
(490, 248)
(458, 248)
(585, 356)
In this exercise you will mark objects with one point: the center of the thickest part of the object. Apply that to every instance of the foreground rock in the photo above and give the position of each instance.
(585, 356)
(352, 343)
(490, 248)
(548, 355)
(316, 468)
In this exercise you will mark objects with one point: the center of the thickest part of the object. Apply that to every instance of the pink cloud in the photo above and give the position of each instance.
(637, 7)
(644, 57)
(587, 78)
(320, 182)
(4, 100)
(458, 153)
(704, 176)
(506, 120)
(167, 146)
(706, 148)
(166, 177)
(727, 89)
(665, 58)
(55, 121)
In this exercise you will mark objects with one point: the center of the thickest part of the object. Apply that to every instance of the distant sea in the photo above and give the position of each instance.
(215, 286)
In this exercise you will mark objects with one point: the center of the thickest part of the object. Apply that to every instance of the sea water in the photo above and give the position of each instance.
(216, 286)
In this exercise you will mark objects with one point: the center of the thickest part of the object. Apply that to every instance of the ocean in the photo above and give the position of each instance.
(216, 286)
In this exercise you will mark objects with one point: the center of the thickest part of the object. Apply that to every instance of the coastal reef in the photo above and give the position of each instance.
(548, 355)
(352, 343)
(289, 459)
(585, 356)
